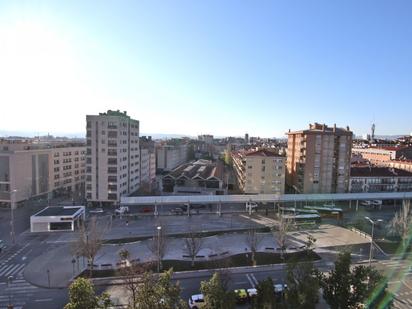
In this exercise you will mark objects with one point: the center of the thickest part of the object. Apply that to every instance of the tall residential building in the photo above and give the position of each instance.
(169, 156)
(147, 162)
(39, 169)
(318, 159)
(112, 158)
(207, 138)
(260, 171)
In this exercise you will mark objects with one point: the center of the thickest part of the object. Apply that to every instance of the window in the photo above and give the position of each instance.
(112, 134)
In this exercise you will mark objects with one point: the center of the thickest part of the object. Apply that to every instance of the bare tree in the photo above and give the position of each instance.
(157, 245)
(281, 234)
(253, 240)
(193, 243)
(132, 274)
(89, 241)
(400, 225)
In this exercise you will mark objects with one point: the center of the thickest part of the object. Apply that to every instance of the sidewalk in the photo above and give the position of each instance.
(53, 269)
(60, 266)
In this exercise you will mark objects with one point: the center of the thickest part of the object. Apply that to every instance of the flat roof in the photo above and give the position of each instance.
(215, 199)
(59, 211)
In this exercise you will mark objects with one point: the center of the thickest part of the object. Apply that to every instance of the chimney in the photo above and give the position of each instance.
(347, 128)
(334, 127)
(323, 127)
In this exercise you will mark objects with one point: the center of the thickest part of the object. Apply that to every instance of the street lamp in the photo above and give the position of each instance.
(371, 245)
(159, 228)
(12, 206)
(9, 281)
(73, 262)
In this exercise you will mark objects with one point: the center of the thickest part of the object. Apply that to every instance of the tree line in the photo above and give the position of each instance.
(343, 287)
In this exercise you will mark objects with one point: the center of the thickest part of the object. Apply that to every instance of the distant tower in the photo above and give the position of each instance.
(246, 138)
(373, 132)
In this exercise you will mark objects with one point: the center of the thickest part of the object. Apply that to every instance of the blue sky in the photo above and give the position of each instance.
(219, 67)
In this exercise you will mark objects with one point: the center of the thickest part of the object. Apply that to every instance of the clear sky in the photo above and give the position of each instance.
(219, 67)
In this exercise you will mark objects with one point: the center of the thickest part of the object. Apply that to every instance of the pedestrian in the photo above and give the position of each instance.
(127, 222)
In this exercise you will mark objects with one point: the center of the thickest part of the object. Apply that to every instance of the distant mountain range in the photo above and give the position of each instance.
(22, 134)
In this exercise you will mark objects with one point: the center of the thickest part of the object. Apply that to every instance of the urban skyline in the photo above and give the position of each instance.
(344, 63)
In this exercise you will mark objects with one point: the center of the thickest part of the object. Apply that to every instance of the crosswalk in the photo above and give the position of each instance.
(17, 292)
(9, 256)
(11, 270)
(252, 280)
(402, 301)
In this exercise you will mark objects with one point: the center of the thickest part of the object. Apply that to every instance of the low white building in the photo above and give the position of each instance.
(57, 218)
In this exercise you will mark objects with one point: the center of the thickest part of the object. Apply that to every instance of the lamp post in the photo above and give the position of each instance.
(9, 281)
(12, 206)
(371, 245)
(73, 262)
(159, 228)
(48, 277)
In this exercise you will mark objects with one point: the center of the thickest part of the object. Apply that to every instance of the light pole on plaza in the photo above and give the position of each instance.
(371, 245)
(12, 206)
(159, 228)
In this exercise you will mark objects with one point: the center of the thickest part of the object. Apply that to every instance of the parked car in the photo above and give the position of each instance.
(96, 211)
(2, 245)
(146, 209)
(122, 210)
(251, 293)
(192, 206)
(241, 296)
(280, 290)
(196, 301)
(177, 211)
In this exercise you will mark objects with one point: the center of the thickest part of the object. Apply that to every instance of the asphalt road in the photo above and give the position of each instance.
(28, 247)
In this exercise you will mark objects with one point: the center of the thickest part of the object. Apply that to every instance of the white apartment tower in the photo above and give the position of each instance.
(112, 157)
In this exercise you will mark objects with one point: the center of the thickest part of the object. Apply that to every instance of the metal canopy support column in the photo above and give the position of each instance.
(219, 209)
(156, 213)
(357, 205)
(188, 209)
(350, 204)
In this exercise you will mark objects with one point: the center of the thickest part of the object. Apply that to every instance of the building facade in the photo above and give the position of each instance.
(199, 177)
(169, 156)
(112, 158)
(318, 159)
(382, 155)
(40, 169)
(260, 171)
(379, 179)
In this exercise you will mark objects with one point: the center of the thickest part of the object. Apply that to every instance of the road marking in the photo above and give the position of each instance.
(250, 280)
(252, 276)
(43, 299)
(407, 285)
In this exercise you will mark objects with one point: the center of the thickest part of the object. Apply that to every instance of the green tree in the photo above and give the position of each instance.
(265, 298)
(346, 288)
(83, 296)
(215, 294)
(158, 292)
(303, 285)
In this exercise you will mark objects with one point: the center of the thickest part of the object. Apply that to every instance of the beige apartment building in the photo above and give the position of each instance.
(112, 157)
(147, 162)
(382, 155)
(318, 159)
(35, 169)
(260, 171)
(169, 156)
